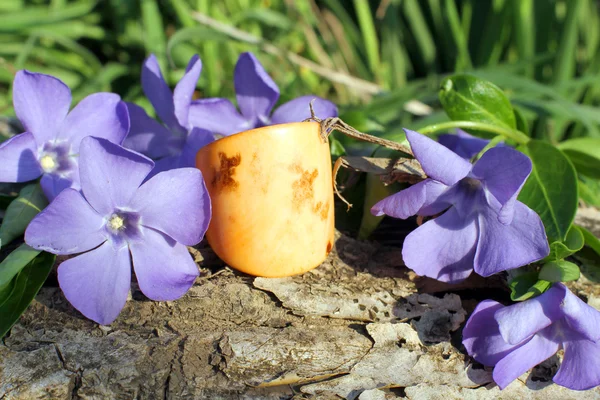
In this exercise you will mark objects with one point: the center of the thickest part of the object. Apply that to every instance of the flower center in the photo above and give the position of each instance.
(471, 184)
(469, 196)
(56, 158)
(123, 226)
(116, 222)
(48, 163)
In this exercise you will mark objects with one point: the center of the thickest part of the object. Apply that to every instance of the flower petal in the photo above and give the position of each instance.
(110, 174)
(481, 336)
(164, 268)
(97, 282)
(503, 247)
(581, 317)
(298, 110)
(409, 201)
(158, 92)
(523, 358)
(439, 199)
(19, 159)
(41, 103)
(197, 139)
(438, 162)
(182, 95)
(463, 144)
(218, 116)
(68, 225)
(146, 135)
(580, 369)
(504, 171)
(521, 320)
(102, 115)
(255, 90)
(164, 164)
(175, 202)
(53, 184)
(442, 248)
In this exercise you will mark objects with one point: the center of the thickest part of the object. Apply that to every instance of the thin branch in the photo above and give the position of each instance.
(329, 125)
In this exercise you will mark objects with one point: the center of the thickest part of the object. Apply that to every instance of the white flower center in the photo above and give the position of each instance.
(48, 163)
(116, 222)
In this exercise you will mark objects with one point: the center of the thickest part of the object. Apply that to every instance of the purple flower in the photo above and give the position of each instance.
(115, 222)
(174, 144)
(483, 226)
(50, 145)
(518, 337)
(256, 95)
(465, 145)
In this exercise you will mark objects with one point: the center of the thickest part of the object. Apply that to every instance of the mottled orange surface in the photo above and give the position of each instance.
(272, 198)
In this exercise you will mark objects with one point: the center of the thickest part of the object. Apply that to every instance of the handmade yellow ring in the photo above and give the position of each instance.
(272, 199)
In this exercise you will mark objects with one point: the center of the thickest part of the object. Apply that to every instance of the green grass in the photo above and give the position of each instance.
(370, 57)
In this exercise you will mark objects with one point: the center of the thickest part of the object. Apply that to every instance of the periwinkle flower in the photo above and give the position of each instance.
(174, 144)
(483, 227)
(117, 221)
(465, 145)
(518, 337)
(49, 148)
(256, 95)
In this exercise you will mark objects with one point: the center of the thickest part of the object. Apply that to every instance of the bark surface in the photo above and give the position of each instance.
(361, 326)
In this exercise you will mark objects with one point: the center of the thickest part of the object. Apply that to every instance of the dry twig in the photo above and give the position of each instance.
(401, 169)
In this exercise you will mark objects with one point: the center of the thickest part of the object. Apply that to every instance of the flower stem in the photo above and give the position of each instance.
(513, 134)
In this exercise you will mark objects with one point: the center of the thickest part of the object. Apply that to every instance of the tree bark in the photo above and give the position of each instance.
(360, 326)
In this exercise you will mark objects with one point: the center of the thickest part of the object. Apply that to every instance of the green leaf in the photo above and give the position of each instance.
(584, 154)
(15, 299)
(20, 212)
(590, 239)
(337, 149)
(375, 191)
(526, 286)
(468, 98)
(572, 244)
(589, 256)
(551, 189)
(522, 124)
(588, 193)
(559, 271)
(589, 261)
(15, 262)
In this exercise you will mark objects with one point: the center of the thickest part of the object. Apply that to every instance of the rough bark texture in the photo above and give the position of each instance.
(360, 326)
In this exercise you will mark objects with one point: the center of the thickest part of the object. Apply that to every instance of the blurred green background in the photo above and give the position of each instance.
(380, 60)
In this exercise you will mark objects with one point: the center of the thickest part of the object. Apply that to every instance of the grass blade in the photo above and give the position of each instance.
(369, 35)
(564, 67)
